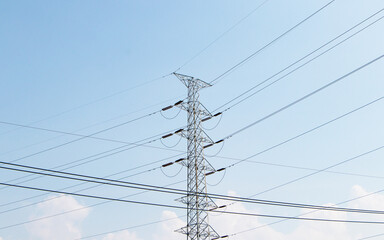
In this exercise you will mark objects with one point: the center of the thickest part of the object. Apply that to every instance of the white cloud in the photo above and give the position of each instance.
(369, 201)
(167, 228)
(61, 227)
(122, 235)
(322, 230)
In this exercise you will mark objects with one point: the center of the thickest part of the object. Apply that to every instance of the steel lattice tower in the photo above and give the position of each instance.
(197, 201)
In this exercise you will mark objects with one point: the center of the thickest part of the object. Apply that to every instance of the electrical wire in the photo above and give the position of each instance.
(76, 185)
(103, 155)
(305, 97)
(373, 236)
(172, 176)
(217, 124)
(119, 183)
(132, 227)
(302, 65)
(308, 175)
(136, 144)
(221, 179)
(89, 126)
(184, 208)
(308, 131)
(269, 44)
(77, 209)
(170, 118)
(300, 168)
(95, 101)
(168, 146)
(222, 35)
(78, 139)
(81, 137)
(344, 115)
(244, 231)
(343, 202)
(304, 133)
(218, 152)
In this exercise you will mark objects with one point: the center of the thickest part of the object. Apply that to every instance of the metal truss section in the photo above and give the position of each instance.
(203, 136)
(197, 201)
(186, 230)
(202, 110)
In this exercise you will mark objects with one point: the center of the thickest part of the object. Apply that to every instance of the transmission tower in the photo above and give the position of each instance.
(197, 201)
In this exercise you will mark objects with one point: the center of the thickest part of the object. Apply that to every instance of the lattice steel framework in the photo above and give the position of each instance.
(196, 199)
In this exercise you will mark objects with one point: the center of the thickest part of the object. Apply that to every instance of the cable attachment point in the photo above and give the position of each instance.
(179, 131)
(222, 140)
(179, 160)
(225, 236)
(178, 103)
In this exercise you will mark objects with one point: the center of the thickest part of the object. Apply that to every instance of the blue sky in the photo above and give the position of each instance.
(83, 66)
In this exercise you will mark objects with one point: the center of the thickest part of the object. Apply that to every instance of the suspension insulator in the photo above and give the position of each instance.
(222, 140)
(207, 146)
(166, 108)
(179, 131)
(179, 160)
(178, 103)
(206, 119)
(168, 135)
(167, 164)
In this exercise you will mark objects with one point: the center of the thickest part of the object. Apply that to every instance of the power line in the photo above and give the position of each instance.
(237, 233)
(270, 43)
(103, 155)
(322, 170)
(89, 126)
(304, 64)
(147, 187)
(83, 189)
(308, 175)
(128, 228)
(118, 149)
(92, 136)
(83, 136)
(343, 202)
(77, 209)
(95, 101)
(222, 35)
(373, 236)
(304, 133)
(304, 97)
(276, 111)
(181, 207)
(295, 137)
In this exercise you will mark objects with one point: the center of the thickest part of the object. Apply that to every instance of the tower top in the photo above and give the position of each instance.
(188, 81)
